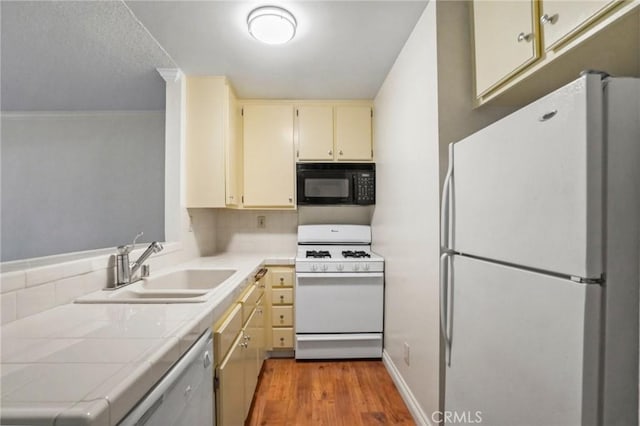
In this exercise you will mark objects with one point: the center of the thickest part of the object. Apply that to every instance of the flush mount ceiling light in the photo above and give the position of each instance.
(271, 24)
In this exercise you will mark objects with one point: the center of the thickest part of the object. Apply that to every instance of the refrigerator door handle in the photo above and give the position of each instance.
(444, 305)
(445, 204)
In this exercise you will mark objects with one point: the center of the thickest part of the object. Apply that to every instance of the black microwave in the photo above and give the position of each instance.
(336, 183)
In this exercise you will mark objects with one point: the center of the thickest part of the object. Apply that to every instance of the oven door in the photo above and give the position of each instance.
(318, 187)
(339, 303)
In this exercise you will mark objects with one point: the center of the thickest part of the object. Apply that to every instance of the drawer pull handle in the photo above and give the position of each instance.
(281, 281)
(281, 298)
(524, 37)
(546, 19)
(282, 341)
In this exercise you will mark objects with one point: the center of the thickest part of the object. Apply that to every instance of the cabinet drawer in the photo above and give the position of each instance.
(282, 296)
(249, 300)
(282, 338)
(282, 316)
(281, 278)
(226, 332)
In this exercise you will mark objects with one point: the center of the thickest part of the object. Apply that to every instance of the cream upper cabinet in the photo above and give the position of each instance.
(269, 165)
(207, 127)
(353, 140)
(315, 133)
(233, 151)
(560, 19)
(505, 40)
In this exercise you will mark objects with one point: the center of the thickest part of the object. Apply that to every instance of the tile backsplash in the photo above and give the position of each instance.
(238, 231)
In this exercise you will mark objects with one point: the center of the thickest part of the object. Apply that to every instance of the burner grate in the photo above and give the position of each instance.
(318, 254)
(356, 253)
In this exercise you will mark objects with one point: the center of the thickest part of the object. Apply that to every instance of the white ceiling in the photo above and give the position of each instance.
(101, 55)
(342, 49)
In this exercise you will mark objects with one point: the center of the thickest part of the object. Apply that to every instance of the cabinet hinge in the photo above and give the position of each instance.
(371, 153)
(297, 153)
(296, 112)
(371, 112)
(243, 199)
(216, 382)
(242, 112)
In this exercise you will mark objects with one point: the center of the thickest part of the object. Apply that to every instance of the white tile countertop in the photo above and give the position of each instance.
(88, 364)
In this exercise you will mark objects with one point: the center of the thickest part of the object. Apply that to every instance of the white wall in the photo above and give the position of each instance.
(405, 222)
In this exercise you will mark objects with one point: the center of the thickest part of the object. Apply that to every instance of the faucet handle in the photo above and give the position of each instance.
(126, 249)
(133, 244)
(123, 249)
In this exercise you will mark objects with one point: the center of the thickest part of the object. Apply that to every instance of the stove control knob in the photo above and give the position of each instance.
(365, 266)
(340, 267)
(325, 267)
(314, 267)
(356, 267)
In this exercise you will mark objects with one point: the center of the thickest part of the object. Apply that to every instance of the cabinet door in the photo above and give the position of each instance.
(269, 166)
(252, 340)
(230, 396)
(205, 129)
(233, 156)
(315, 133)
(260, 333)
(562, 18)
(353, 133)
(505, 40)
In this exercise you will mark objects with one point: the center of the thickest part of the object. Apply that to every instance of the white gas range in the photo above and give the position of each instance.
(339, 293)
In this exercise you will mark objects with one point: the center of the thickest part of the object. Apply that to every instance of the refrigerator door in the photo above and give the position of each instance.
(524, 347)
(527, 189)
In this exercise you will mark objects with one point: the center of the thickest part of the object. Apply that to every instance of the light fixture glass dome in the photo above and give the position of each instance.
(271, 24)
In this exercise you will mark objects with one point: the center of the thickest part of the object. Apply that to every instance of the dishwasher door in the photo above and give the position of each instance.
(184, 395)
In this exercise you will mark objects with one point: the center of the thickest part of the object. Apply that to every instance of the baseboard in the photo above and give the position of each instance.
(412, 404)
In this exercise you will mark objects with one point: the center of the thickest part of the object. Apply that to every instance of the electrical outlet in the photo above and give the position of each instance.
(262, 222)
(406, 353)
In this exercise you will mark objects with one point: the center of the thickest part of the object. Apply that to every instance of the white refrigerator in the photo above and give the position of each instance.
(539, 271)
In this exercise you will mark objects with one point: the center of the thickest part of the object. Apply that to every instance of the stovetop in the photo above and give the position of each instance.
(327, 258)
(336, 249)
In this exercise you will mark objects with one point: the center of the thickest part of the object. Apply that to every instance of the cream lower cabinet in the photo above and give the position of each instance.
(239, 345)
(505, 40)
(559, 19)
(230, 392)
(280, 298)
(268, 152)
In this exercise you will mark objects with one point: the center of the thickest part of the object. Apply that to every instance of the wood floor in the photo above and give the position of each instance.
(348, 393)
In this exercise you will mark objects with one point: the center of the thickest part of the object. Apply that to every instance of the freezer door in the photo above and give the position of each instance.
(524, 347)
(527, 189)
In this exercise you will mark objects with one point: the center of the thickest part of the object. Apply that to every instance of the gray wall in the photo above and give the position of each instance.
(80, 181)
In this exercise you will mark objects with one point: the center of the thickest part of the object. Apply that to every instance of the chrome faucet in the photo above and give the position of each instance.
(125, 270)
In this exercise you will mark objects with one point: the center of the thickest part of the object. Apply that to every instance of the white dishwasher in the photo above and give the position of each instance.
(184, 395)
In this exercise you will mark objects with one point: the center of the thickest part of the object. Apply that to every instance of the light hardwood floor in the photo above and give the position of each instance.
(348, 393)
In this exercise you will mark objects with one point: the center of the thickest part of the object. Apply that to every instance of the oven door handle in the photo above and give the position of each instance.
(339, 274)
